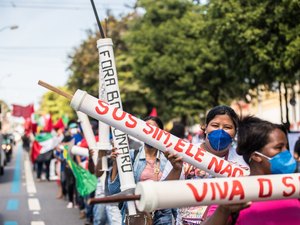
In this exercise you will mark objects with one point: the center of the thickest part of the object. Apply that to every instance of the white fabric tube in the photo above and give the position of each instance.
(88, 134)
(77, 150)
(109, 83)
(153, 136)
(185, 193)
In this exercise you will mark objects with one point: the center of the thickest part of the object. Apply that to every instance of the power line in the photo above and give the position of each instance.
(35, 47)
(63, 6)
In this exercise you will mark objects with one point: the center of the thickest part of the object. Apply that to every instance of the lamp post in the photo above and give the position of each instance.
(12, 27)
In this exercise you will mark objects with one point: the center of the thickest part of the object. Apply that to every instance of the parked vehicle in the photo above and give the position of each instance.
(7, 145)
(2, 157)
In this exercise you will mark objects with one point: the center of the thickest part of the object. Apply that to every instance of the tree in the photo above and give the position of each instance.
(56, 105)
(259, 39)
(84, 66)
(178, 60)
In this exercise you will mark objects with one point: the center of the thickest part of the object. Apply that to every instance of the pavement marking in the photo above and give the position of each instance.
(36, 213)
(30, 185)
(34, 204)
(37, 223)
(10, 223)
(15, 188)
(12, 204)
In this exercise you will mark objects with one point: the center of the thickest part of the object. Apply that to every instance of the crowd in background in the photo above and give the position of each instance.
(219, 136)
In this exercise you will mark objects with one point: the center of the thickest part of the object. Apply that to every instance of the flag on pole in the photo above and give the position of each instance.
(86, 182)
(153, 112)
(43, 143)
(44, 123)
(59, 124)
(22, 111)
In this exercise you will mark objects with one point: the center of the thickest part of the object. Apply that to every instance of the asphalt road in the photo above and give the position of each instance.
(24, 201)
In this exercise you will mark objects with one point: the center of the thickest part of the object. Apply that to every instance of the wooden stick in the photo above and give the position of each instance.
(54, 89)
(109, 199)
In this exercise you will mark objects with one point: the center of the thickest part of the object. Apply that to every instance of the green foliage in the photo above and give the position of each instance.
(84, 67)
(184, 57)
(174, 58)
(56, 105)
(259, 38)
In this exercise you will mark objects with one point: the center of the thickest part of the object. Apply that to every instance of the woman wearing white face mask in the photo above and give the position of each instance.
(264, 146)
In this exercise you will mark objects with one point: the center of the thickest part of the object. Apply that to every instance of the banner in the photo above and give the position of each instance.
(22, 111)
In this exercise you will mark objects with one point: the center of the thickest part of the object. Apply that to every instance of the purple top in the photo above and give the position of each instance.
(281, 212)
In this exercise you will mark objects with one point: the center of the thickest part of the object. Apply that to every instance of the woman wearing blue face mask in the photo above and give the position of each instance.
(264, 146)
(220, 129)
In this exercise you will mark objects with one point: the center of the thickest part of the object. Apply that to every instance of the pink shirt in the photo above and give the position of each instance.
(151, 171)
(276, 212)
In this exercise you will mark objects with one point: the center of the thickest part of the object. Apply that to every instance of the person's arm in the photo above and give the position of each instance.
(177, 165)
(220, 217)
(222, 214)
(99, 170)
(91, 165)
(114, 170)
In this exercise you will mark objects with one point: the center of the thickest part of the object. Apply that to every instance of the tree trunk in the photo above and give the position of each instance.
(280, 102)
(287, 123)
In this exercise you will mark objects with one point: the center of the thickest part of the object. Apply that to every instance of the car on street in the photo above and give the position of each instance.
(2, 156)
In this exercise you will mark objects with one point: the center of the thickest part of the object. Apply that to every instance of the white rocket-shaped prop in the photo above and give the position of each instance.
(109, 87)
(88, 134)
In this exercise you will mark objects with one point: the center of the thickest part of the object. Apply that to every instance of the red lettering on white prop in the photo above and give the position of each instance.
(179, 145)
(268, 186)
(285, 181)
(132, 122)
(223, 191)
(237, 189)
(149, 130)
(196, 194)
(116, 117)
(216, 163)
(155, 132)
(227, 169)
(200, 152)
(237, 172)
(188, 151)
(159, 135)
(167, 139)
(213, 191)
(104, 107)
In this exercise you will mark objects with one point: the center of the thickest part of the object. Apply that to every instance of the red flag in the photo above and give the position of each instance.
(59, 124)
(84, 143)
(153, 112)
(48, 123)
(35, 150)
(22, 111)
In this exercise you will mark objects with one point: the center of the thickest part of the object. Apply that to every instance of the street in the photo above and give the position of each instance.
(24, 201)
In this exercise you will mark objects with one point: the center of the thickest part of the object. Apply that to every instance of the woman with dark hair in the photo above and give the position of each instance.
(264, 147)
(219, 130)
(148, 164)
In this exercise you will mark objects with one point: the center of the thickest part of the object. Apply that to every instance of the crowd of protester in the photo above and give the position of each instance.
(223, 134)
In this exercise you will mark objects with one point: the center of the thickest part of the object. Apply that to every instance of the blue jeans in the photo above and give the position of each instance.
(106, 214)
(162, 217)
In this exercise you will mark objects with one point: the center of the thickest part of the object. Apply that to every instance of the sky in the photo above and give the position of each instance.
(38, 49)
